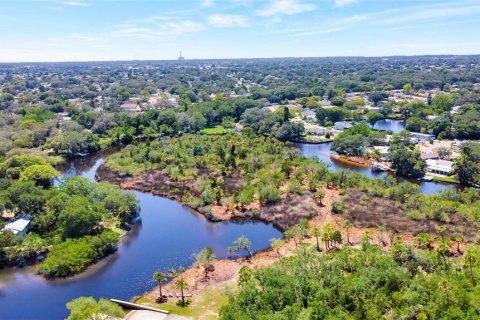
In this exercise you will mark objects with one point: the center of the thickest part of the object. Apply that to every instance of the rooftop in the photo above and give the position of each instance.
(18, 224)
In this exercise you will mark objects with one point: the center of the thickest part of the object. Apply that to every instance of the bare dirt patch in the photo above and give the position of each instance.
(284, 214)
(367, 211)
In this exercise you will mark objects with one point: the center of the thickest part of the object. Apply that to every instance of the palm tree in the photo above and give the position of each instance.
(316, 233)
(319, 195)
(205, 258)
(160, 278)
(443, 249)
(470, 259)
(458, 240)
(327, 236)
(347, 225)
(181, 285)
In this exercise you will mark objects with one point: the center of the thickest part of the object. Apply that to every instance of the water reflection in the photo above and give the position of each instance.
(322, 152)
(166, 237)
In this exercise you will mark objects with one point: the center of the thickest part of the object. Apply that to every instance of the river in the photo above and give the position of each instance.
(322, 152)
(166, 237)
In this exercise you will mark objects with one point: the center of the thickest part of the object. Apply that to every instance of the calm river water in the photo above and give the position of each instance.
(166, 237)
(322, 151)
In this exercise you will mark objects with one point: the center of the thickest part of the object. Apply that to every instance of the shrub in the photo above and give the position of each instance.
(74, 255)
(269, 194)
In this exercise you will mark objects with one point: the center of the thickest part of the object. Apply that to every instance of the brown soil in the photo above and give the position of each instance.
(287, 212)
(226, 271)
(383, 212)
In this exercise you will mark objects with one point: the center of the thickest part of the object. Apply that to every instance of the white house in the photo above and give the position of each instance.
(19, 225)
(342, 125)
(422, 136)
(438, 166)
(382, 149)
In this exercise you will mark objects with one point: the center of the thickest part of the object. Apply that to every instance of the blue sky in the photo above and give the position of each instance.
(79, 30)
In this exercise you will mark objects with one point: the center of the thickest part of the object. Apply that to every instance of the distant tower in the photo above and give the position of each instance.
(180, 56)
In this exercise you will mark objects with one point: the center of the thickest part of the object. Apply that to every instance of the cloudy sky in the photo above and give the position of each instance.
(78, 30)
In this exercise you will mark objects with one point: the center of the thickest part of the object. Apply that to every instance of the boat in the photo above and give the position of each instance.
(353, 161)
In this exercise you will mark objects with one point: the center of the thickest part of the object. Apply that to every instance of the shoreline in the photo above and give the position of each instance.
(224, 274)
(270, 214)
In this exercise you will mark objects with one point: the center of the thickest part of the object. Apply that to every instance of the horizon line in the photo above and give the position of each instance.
(250, 58)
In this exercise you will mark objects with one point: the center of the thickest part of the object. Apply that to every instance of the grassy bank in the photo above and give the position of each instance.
(203, 306)
(446, 179)
(215, 130)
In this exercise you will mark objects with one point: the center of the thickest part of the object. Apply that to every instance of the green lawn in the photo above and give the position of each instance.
(215, 130)
(204, 307)
(445, 179)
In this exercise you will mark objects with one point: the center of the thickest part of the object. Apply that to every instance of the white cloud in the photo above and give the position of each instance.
(227, 20)
(341, 3)
(157, 31)
(208, 3)
(428, 14)
(75, 3)
(285, 7)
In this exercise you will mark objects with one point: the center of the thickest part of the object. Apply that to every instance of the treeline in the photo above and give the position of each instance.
(360, 283)
(78, 221)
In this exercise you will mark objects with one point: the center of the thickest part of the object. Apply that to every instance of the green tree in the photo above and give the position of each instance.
(242, 243)
(79, 218)
(160, 278)
(414, 124)
(347, 225)
(42, 175)
(182, 285)
(470, 260)
(407, 88)
(377, 96)
(13, 166)
(442, 102)
(467, 165)
(205, 259)
(316, 233)
(319, 195)
(424, 240)
(244, 276)
(86, 308)
(327, 235)
(407, 163)
(374, 117)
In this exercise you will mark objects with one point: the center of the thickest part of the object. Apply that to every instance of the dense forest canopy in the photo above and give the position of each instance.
(215, 135)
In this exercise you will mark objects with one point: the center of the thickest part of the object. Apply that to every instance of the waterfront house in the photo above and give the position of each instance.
(422, 136)
(309, 114)
(383, 150)
(429, 155)
(342, 125)
(19, 225)
(438, 166)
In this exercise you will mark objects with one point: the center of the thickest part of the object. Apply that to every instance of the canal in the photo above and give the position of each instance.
(166, 238)
(322, 152)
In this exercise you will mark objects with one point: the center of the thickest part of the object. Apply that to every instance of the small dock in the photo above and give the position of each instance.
(135, 306)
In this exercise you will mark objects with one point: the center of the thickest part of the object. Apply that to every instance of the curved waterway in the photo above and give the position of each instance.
(322, 152)
(166, 237)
